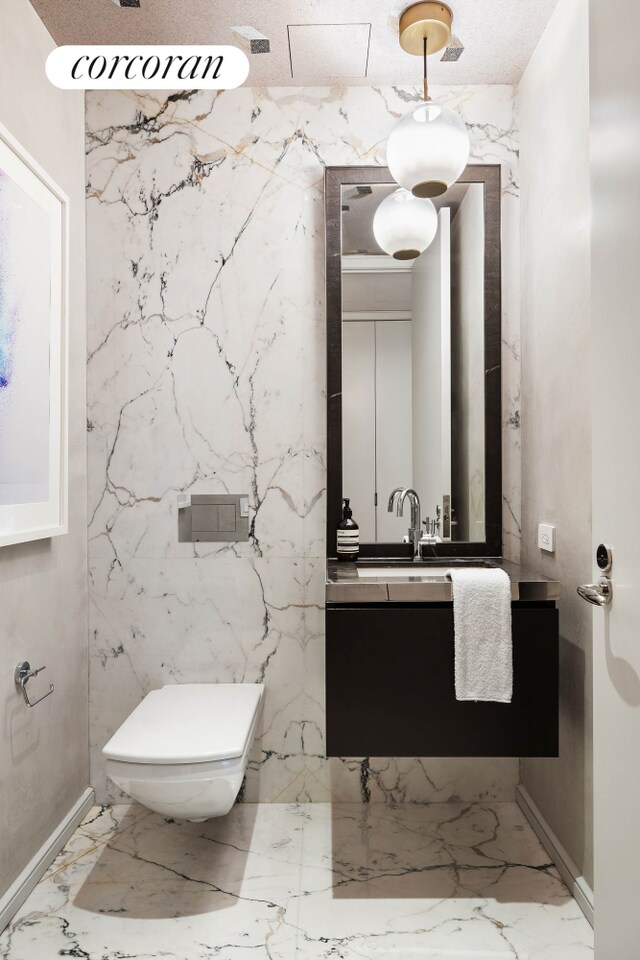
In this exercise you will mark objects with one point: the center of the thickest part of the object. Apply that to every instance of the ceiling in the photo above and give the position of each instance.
(362, 47)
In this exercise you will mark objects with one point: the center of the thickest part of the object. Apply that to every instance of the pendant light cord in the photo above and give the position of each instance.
(424, 68)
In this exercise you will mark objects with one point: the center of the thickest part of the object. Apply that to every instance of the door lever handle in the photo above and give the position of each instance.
(599, 593)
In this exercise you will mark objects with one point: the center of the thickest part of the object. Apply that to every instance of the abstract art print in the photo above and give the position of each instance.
(33, 341)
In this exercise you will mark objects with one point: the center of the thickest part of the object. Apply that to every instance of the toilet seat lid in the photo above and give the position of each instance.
(188, 723)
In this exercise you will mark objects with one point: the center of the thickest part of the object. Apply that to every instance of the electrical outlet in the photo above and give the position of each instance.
(547, 537)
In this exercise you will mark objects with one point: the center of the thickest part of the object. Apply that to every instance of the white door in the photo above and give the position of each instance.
(376, 423)
(394, 460)
(615, 197)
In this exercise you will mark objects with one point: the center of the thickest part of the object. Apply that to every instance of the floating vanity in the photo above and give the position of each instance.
(390, 667)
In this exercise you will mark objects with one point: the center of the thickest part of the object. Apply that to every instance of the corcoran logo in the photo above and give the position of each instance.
(147, 67)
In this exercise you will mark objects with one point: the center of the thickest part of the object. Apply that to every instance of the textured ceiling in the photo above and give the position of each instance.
(498, 35)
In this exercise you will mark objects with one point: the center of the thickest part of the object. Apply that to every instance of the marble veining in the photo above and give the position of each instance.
(206, 372)
(448, 881)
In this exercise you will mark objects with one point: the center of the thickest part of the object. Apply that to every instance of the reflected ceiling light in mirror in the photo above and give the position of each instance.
(428, 149)
(404, 225)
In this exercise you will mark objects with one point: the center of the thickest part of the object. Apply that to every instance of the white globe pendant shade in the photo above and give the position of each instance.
(404, 225)
(428, 149)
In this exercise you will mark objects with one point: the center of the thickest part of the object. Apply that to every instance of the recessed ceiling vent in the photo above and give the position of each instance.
(252, 41)
(127, 3)
(453, 49)
(357, 193)
(329, 51)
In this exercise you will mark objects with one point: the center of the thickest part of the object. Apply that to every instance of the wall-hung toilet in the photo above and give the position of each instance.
(183, 751)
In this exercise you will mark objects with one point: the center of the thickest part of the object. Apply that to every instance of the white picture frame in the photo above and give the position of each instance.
(33, 507)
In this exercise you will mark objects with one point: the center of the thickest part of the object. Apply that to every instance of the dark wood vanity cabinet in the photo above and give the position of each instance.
(390, 685)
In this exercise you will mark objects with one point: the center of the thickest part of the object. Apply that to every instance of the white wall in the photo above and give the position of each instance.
(43, 752)
(205, 232)
(553, 110)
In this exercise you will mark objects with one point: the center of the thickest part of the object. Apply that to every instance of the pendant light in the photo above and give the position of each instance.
(404, 225)
(427, 149)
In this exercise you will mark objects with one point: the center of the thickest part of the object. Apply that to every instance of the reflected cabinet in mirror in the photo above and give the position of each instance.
(414, 364)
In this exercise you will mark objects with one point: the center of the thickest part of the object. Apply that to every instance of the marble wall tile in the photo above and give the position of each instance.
(206, 372)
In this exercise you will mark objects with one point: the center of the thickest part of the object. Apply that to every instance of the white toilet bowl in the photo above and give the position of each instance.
(183, 751)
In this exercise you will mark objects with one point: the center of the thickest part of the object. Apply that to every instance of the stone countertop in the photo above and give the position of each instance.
(343, 583)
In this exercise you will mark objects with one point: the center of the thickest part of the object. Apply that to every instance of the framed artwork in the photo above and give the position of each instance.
(34, 258)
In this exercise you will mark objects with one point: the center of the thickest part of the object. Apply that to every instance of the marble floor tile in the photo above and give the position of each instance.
(100, 825)
(443, 881)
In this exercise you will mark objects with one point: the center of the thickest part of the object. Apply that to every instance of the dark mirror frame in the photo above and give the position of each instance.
(335, 179)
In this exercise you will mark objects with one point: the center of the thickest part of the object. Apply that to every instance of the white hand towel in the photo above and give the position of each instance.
(483, 639)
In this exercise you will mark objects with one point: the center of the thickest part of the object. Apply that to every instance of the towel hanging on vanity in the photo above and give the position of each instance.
(483, 639)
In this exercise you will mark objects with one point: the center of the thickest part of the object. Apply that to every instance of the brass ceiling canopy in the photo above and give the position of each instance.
(425, 20)
(428, 149)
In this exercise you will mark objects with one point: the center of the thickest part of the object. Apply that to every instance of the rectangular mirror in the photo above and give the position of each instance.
(414, 366)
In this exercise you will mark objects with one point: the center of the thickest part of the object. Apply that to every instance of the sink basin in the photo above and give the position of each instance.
(385, 573)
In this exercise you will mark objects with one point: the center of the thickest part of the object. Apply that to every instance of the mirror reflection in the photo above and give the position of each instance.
(413, 392)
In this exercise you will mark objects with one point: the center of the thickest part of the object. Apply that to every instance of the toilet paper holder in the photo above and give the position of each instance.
(24, 673)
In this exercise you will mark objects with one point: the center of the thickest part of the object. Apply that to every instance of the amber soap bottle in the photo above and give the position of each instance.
(348, 535)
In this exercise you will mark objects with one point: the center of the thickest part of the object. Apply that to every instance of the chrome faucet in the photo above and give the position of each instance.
(398, 496)
(392, 498)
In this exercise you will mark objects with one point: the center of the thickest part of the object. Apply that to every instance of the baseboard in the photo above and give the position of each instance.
(568, 870)
(18, 892)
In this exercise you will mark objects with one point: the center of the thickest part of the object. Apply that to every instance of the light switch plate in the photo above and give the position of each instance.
(547, 537)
